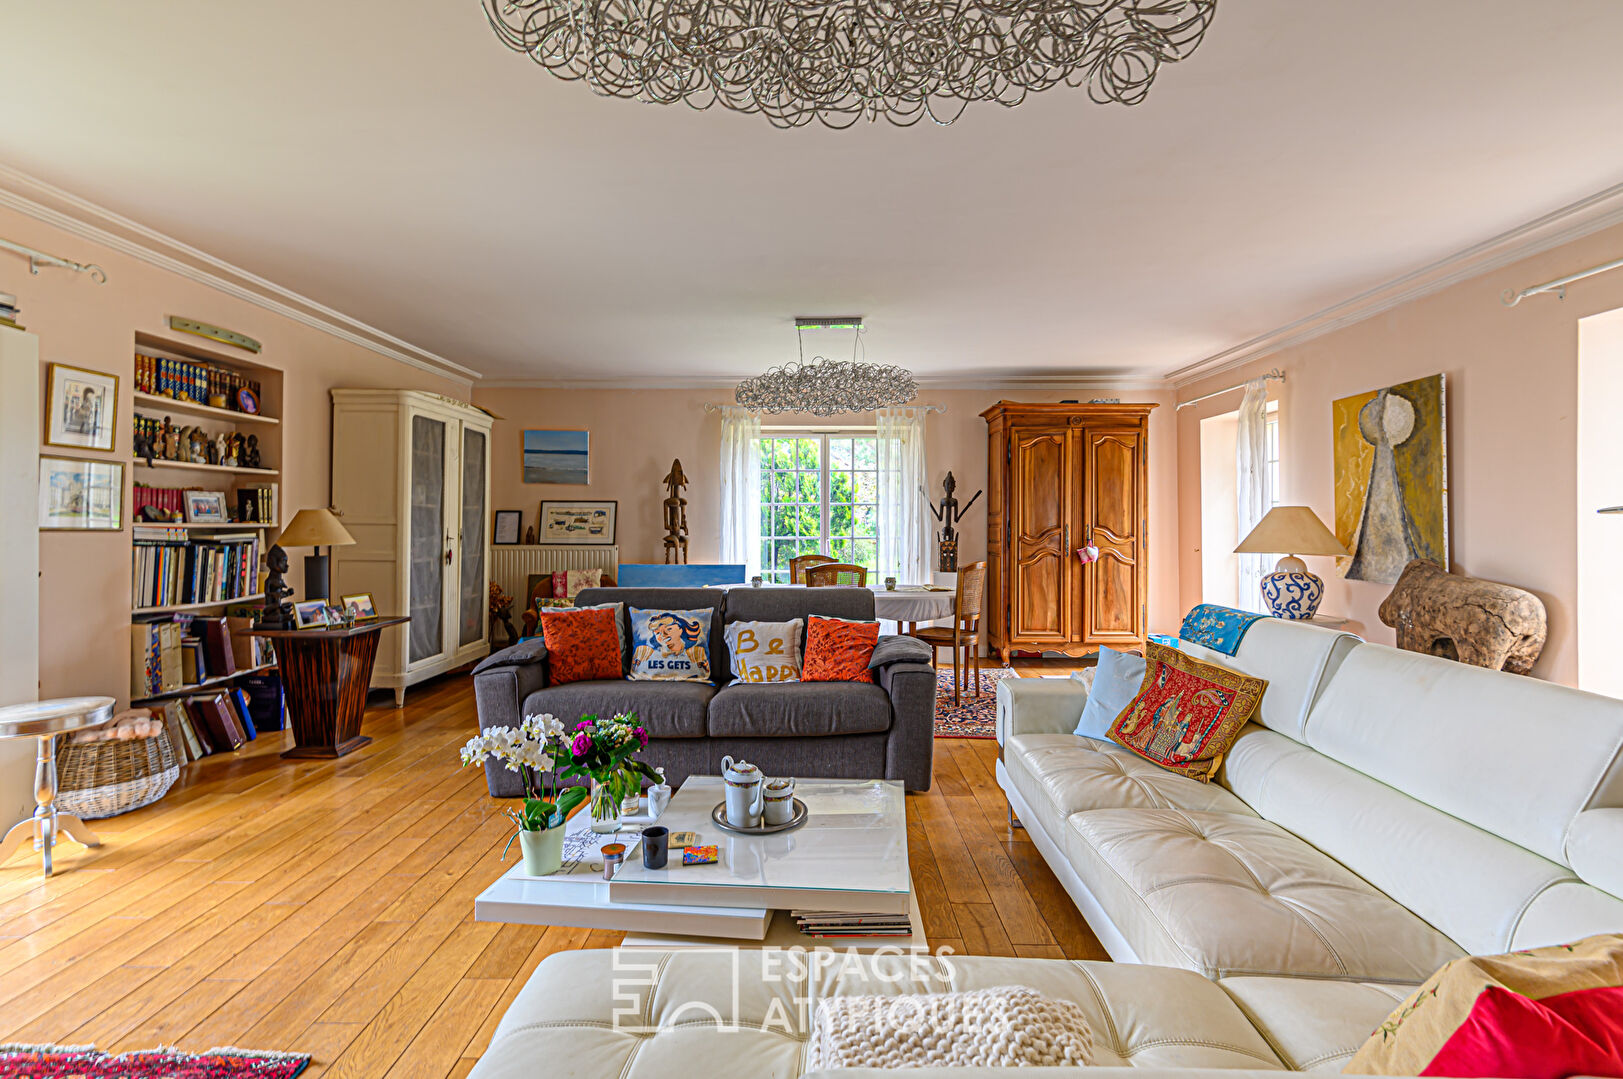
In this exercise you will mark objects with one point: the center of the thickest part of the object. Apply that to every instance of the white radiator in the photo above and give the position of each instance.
(511, 566)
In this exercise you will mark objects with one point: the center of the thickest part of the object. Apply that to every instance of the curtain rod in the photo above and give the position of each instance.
(1275, 375)
(36, 259)
(711, 406)
(1559, 286)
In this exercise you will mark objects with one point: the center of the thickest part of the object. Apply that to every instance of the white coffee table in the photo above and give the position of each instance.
(850, 855)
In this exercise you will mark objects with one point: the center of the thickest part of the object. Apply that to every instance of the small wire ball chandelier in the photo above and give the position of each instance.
(795, 61)
(827, 387)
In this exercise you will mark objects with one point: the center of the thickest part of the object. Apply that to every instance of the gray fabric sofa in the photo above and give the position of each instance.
(845, 730)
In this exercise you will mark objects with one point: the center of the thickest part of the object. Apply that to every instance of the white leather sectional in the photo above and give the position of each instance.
(1385, 813)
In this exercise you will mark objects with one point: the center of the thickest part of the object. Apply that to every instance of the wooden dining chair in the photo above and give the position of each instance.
(836, 573)
(964, 635)
(800, 563)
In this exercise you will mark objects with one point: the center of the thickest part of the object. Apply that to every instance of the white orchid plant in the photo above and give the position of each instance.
(535, 749)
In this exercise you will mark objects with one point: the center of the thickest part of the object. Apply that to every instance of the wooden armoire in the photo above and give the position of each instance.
(1058, 476)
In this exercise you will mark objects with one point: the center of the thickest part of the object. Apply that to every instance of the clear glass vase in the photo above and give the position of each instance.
(605, 807)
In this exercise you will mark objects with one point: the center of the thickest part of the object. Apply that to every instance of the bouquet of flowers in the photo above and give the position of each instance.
(605, 750)
(534, 749)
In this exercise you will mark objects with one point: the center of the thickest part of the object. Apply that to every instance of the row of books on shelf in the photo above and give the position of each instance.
(221, 722)
(255, 503)
(9, 311)
(174, 567)
(189, 380)
(171, 655)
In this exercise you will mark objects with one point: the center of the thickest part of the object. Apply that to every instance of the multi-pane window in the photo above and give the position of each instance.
(1271, 455)
(819, 495)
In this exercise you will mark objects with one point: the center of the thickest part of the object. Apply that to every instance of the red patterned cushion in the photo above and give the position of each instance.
(838, 651)
(582, 644)
(1187, 713)
(560, 585)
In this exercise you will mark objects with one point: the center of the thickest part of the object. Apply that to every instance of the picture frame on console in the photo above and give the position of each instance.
(578, 522)
(311, 614)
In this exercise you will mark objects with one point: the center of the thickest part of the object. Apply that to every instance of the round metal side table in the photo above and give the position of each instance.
(44, 720)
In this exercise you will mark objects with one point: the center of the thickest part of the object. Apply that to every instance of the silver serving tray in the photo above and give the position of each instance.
(718, 817)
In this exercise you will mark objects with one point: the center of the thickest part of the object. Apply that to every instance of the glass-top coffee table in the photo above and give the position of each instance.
(849, 856)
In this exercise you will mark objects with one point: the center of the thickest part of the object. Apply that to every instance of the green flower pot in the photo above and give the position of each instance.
(543, 851)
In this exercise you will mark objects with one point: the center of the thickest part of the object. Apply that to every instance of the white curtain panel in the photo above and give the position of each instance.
(1255, 499)
(904, 536)
(741, 488)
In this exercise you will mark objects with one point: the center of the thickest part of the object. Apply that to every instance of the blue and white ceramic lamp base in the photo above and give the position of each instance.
(1291, 591)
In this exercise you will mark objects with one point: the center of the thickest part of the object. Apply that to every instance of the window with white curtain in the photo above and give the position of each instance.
(819, 495)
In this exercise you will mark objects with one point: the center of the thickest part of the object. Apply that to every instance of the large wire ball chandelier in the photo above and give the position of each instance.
(795, 61)
(827, 387)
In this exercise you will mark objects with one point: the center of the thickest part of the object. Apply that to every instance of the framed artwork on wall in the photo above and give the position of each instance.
(507, 528)
(577, 522)
(80, 407)
(557, 457)
(77, 495)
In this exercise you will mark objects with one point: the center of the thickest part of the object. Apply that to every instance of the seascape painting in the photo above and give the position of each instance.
(556, 457)
(1391, 474)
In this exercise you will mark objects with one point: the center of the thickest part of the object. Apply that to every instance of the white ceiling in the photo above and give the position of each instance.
(393, 160)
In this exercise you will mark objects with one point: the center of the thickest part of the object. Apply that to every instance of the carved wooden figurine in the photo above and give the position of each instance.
(1483, 623)
(277, 612)
(676, 516)
(948, 514)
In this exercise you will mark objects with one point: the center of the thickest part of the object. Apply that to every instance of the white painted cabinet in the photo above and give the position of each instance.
(411, 482)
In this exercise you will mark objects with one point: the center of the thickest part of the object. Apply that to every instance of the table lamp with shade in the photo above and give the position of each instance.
(316, 528)
(1291, 591)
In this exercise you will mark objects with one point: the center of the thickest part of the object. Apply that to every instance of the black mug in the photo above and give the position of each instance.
(656, 846)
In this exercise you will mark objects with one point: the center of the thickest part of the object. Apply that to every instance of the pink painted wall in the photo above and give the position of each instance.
(85, 578)
(1512, 430)
(635, 433)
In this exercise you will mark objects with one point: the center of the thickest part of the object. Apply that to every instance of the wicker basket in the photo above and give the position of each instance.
(104, 779)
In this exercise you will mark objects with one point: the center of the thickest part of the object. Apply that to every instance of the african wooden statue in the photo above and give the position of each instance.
(676, 516)
(948, 513)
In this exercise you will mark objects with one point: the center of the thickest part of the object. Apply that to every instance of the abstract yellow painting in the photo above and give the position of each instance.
(1391, 464)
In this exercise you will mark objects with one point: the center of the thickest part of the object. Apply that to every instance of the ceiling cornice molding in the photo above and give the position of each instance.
(937, 382)
(80, 217)
(1589, 215)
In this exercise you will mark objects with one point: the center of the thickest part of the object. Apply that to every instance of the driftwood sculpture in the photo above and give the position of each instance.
(1479, 622)
(676, 516)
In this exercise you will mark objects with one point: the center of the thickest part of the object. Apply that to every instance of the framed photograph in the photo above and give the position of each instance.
(359, 606)
(508, 525)
(76, 495)
(310, 614)
(577, 522)
(205, 507)
(557, 457)
(80, 407)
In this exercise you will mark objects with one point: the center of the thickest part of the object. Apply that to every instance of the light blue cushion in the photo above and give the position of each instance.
(1115, 684)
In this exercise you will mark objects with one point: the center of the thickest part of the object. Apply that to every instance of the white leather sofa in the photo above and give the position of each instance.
(1386, 812)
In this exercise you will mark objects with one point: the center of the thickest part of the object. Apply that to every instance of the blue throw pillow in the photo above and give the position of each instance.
(1115, 684)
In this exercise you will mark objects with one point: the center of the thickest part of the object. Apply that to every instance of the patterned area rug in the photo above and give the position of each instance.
(85, 1062)
(975, 717)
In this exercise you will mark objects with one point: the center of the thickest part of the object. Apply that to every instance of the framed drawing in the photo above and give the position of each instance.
(205, 507)
(80, 407)
(557, 457)
(577, 522)
(76, 495)
(507, 527)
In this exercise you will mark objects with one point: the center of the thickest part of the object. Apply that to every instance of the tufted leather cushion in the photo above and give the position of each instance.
(1314, 1025)
(673, 1007)
(1061, 774)
(1224, 894)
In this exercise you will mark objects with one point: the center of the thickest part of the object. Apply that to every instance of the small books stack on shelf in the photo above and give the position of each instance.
(9, 311)
(174, 568)
(833, 923)
(257, 502)
(172, 655)
(189, 380)
(207, 723)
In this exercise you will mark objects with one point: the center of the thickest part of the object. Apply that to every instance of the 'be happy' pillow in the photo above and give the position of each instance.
(765, 651)
(670, 646)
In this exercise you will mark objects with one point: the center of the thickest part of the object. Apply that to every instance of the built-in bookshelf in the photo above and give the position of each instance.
(219, 560)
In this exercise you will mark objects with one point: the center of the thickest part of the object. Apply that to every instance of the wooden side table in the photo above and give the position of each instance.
(44, 720)
(326, 673)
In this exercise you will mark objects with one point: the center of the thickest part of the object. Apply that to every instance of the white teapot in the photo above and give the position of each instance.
(746, 792)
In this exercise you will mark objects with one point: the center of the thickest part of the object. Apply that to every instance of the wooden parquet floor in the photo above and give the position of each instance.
(327, 906)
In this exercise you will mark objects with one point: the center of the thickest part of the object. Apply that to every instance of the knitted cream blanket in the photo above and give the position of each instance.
(1008, 1026)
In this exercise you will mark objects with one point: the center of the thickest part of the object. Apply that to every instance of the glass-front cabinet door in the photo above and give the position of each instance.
(428, 531)
(473, 597)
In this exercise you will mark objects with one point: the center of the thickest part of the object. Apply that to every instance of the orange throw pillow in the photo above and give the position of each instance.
(1187, 713)
(838, 651)
(582, 645)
